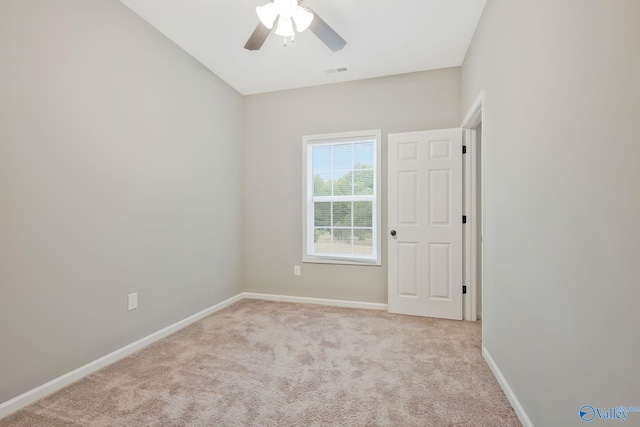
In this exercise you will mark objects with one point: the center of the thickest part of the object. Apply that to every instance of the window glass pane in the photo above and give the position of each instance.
(322, 240)
(363, 242)
(362, 214)
(321, 158)
(342, 214)
(363, 183)
(322, 214)
(363, 155)
(342, 183)
(343, 156)
(322, 183)
(341, 175)
(342, 239)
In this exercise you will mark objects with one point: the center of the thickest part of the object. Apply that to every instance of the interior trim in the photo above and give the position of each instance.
(33, 395)
(320, 301)
(506, 388)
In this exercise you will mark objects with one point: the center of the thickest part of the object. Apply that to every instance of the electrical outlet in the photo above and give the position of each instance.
(296, 270)
(133, 301)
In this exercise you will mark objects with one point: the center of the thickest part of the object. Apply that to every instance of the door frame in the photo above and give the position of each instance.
(475, 115)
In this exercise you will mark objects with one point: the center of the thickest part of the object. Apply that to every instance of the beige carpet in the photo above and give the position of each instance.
(261, 363)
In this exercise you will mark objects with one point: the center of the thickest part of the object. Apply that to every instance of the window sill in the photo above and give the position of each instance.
(310, 259)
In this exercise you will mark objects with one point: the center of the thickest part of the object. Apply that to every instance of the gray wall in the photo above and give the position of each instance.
(119, 168)
(275, 124)
(561, 201)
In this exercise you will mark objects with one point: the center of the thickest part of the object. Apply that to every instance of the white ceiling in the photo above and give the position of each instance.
(384, 37)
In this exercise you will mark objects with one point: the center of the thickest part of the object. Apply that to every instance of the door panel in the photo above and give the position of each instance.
(439, 197)
(408, 198)
(425, 210)
(408, 269)
(439, 274)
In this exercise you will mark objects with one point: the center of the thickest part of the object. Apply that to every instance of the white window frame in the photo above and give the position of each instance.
(308, 142)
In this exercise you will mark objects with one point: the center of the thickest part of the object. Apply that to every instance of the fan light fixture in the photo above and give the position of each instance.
(289, 12)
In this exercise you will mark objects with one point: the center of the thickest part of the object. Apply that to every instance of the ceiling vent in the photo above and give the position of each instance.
(336, 70)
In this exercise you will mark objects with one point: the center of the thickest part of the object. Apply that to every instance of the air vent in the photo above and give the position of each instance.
(336, 70)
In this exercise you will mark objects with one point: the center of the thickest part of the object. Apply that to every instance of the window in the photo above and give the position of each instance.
(341, 198)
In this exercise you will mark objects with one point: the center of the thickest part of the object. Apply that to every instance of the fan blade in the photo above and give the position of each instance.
(258, 37)
(325, 33)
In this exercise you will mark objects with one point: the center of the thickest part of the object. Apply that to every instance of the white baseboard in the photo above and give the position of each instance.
(319, 301)
(513, 399)
(31, 396)
(56, 384)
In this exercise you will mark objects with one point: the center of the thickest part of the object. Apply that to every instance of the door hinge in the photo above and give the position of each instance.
(464, 289)
(464, 149)
(464, 219)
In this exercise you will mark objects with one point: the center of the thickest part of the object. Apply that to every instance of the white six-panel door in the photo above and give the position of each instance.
(425, 223)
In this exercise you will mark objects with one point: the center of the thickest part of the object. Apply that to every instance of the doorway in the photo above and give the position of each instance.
(472, 235)
(435, 219)
(474, 132)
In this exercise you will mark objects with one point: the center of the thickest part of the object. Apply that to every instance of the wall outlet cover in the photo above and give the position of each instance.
(132, 301)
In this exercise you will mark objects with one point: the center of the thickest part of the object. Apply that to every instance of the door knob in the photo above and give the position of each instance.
(393, 232)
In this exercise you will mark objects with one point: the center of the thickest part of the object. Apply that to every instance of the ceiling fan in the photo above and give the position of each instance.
(287, 12)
